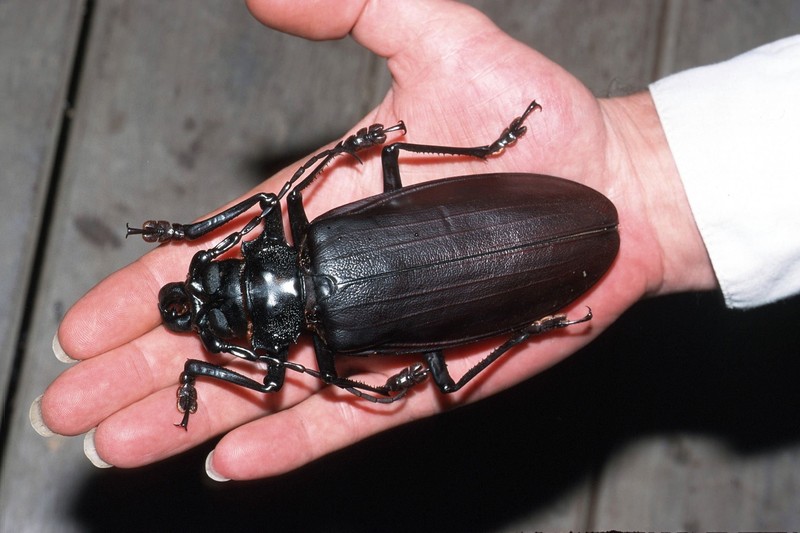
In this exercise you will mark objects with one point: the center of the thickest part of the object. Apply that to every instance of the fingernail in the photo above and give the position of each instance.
(210, 472)
(59, 352)
(90, 450)
(35, 416)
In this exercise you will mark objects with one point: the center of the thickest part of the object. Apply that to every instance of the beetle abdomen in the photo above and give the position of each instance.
(455, 260)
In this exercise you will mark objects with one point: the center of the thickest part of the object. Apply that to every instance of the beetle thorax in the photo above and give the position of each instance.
(274, 296)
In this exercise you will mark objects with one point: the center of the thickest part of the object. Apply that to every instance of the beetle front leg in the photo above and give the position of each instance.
(187, 393)
(163, 231)
(438, 366)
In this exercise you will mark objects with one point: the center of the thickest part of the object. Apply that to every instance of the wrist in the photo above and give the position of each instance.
(675, 258)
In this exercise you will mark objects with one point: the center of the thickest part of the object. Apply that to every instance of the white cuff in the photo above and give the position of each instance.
(734, 131)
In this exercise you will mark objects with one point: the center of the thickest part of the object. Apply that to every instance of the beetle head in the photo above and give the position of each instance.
(176, 310)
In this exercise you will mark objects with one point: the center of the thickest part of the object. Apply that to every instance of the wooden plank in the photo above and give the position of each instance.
(610, 46)
(687, 480)
(37, 44)
(716, 30)
(692, 483)
(182, 106)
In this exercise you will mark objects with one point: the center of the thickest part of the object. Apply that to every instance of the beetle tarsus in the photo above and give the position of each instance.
(368, 137)
(552, 322)
(407, 378)
(364, 138)
(157, 231)
(187, 399)
(514, 131)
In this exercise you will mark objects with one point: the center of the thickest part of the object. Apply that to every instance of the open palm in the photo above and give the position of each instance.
(453, 84)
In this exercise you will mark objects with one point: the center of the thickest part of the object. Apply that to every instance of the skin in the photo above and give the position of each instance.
(616, 146)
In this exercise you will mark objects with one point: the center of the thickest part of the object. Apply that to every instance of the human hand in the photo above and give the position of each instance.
(453, 84)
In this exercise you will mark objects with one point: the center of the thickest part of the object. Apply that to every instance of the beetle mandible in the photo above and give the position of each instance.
(416, 269)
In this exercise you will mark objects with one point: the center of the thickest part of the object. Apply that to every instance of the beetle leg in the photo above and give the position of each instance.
(390, 153)
(163, 231)
(214, 344)
(438, 367)
(276, 371)
(399, 383)
(187, 394)
(298, 220)
(328, 374)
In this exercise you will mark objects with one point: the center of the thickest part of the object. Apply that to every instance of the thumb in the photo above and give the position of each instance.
(412, 32)
(311, 19)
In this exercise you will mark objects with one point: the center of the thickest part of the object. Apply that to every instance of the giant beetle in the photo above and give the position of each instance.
(416, 269)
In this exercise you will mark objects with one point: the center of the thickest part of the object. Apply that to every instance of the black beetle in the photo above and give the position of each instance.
(415, 269)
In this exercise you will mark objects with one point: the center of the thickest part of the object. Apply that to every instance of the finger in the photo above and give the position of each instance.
(93, 390)
(145, 431)
(330, 420)
(318, 426)
(123, 306)
(306, 429)
(422, 30)
(454, 83)
(312, 20)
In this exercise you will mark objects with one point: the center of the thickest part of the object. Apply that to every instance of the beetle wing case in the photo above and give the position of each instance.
(450, 261)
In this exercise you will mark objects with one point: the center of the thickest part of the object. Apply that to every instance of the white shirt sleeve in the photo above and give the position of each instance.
(734, 131)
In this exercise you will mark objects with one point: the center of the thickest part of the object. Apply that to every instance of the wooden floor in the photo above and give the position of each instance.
(683, 416)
